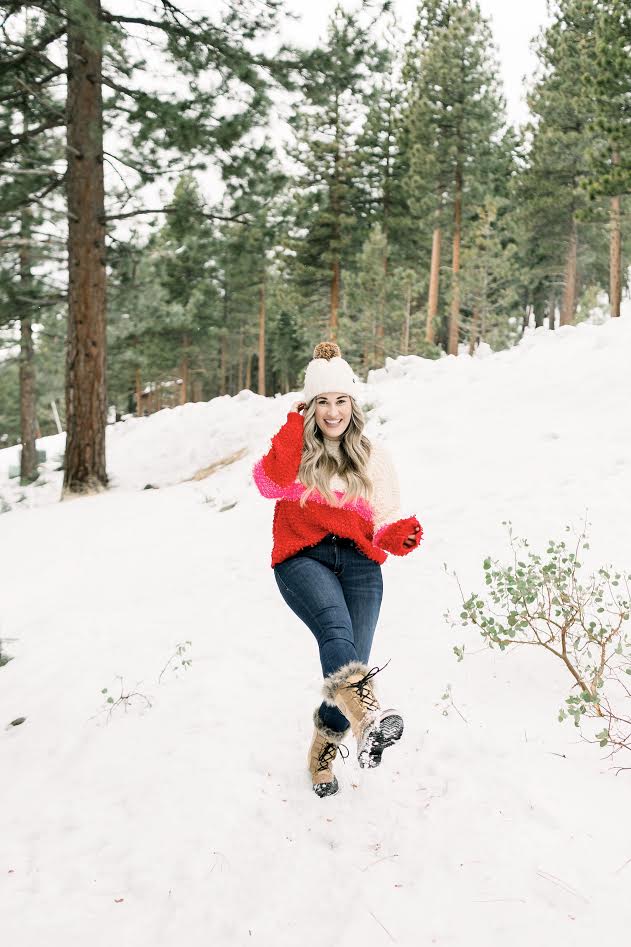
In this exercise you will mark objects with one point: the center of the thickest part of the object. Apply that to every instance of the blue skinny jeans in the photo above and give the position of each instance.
(336, 591)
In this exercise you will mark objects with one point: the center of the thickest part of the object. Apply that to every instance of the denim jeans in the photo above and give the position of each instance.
(336, 590)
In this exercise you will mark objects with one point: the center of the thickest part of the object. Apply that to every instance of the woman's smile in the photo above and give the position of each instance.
(333, 413)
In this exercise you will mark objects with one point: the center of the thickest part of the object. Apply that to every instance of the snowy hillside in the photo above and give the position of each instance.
(188, 818)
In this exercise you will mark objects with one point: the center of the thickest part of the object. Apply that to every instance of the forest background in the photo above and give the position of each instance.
(367, 187)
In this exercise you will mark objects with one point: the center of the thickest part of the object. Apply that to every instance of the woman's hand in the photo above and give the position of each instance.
(299, 406)
(411, 539)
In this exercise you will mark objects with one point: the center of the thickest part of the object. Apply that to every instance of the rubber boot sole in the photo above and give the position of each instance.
(326, 789)
(383, 732)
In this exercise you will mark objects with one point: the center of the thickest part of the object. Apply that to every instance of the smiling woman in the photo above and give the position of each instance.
(328, 551)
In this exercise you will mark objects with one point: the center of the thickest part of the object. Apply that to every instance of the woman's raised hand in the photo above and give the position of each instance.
(298, 406)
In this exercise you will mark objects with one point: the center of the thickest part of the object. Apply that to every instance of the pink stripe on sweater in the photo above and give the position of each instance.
(295, 490)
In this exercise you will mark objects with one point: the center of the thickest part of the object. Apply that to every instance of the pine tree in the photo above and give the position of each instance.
(610, 165)
(455, 112)
(490, 278)
(30, 154)
(200, 118)
(382, 160)
(558, 160)
(338, 77)
(255, 183)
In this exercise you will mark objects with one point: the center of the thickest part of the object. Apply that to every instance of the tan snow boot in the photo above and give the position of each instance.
(351, 690)
(322, 752)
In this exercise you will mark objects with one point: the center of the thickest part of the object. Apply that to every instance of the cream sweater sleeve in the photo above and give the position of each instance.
(386, 498)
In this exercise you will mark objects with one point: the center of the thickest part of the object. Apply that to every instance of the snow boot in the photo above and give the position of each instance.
(350, 690)
(322, 752)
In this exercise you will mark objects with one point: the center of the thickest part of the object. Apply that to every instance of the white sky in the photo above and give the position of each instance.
(514, 23)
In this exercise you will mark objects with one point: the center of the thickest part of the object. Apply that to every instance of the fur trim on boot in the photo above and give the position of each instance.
(351, 687)
(335, 736)
(322, 752)
(333, 682)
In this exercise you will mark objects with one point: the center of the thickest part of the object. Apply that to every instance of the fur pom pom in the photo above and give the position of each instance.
(327, 350)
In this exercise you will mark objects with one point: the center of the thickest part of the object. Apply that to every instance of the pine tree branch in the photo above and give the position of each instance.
(10, 62)
(34, 89)
(172, 210)
(7, 145)
(152, 24)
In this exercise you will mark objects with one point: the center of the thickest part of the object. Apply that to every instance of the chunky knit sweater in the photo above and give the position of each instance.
(375, 527)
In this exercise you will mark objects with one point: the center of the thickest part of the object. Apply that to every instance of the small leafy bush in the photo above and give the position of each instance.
(543, 600)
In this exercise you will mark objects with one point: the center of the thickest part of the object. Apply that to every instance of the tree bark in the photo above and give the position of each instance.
(568, 306)
(28, 457)
(615, 250)
(454, 321)
(248, 372)
(432, 299)
(86, 396)
(262, 337)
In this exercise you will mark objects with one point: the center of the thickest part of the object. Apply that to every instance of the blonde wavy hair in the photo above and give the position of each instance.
(318, 465)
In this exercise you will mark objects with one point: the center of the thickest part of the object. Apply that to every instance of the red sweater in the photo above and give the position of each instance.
(296, 527)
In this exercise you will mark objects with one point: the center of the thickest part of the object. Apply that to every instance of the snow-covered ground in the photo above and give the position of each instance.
(192, 821)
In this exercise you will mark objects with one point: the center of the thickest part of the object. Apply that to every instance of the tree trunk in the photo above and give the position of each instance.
(184, 370)
(474, 329)
(224, 363)
(335, 299)
(568, 306)
(406, 324)
(240, 361)
(380, 350)
(86, 404)
(248, 372)
(454, 321)
(615, 251)
(337, 230)
(223, 348)
(369, 343)
(138, 394)
(28, 457)
(552, 305)
(262, 337)
(538, 307)
(432, 300)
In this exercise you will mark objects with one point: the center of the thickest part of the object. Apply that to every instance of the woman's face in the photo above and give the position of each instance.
(333, 413)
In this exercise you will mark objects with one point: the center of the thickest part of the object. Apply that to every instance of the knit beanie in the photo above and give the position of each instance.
(328, 371)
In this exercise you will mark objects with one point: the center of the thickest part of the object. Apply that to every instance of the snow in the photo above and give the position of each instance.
(192, 820)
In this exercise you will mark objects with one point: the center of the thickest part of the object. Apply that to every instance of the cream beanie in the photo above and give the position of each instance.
(328, 371)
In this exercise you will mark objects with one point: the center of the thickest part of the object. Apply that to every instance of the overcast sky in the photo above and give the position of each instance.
(514, 24)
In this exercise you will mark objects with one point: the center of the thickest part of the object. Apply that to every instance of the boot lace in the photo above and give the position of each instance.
(328, 753)
(364, 688)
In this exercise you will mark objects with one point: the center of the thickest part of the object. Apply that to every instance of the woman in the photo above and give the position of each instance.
(336, 518)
